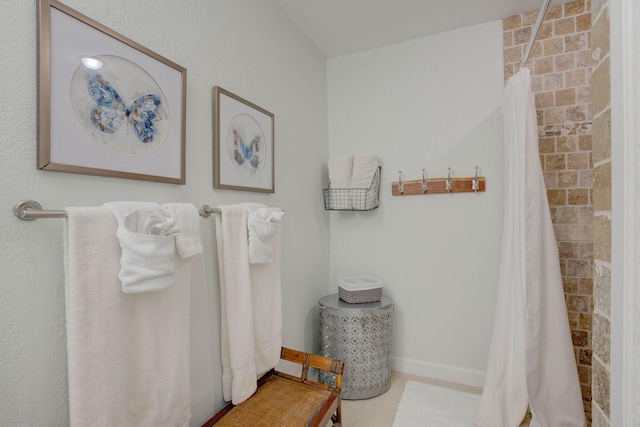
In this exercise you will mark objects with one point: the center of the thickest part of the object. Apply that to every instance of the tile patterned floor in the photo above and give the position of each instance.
(380, 411)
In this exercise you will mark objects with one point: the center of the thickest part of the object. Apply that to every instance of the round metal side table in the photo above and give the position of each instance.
(359, 334)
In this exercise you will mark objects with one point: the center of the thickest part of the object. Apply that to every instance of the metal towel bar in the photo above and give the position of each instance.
(28, 210)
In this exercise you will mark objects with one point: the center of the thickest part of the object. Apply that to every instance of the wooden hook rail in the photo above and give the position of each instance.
(438, 185)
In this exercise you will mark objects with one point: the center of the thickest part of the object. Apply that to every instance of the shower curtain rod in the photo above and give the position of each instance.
(28, 210)
(534, 33)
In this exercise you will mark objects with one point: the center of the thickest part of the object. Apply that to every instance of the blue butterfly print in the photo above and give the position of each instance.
(242, 152)
(111, 111)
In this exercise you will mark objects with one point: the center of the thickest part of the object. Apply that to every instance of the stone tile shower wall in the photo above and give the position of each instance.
(561, 66)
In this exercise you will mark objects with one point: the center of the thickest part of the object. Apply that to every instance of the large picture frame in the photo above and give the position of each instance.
(107, 105)
(243, 144)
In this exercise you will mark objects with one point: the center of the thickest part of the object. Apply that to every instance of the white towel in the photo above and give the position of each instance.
(147, 246)
(121, 209)
(149, 222)
(340, 170)
(262, 225)
(187, 217)
(365, 167)
(128, 355)
(251, 307)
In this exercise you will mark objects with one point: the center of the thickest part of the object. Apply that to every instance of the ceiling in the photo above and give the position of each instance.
(339, 27)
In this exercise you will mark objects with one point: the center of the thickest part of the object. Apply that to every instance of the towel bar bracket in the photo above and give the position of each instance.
(22, 210)
(206, 211)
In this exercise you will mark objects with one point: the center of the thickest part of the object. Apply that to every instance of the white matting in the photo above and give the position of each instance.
(426, 405)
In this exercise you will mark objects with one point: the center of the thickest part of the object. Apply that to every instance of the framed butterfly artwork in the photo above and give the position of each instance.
(107, 105)
(243, 146)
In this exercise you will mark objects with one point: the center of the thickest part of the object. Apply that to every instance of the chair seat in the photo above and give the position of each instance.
(278, 402)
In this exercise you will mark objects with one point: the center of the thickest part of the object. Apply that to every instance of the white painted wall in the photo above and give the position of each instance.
(250, 48)
(428, 103)
(625, 221)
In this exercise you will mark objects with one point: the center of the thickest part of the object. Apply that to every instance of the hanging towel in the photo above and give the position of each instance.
(262, 225)
(531, 360)
(121, 209)
(128, 355)
(187, 218)
(251, 308)
(145, 236)
(365, 167)
(340, 170)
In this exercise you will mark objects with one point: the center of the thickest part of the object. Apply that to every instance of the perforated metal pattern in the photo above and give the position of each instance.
(362, 338)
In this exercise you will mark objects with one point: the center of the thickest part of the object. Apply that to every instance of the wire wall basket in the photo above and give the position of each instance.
(353, 199)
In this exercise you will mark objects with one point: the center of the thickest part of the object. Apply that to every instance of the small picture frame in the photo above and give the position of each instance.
(243, 144)
(107, 105)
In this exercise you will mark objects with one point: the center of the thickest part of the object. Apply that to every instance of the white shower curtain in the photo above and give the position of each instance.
(531, 361)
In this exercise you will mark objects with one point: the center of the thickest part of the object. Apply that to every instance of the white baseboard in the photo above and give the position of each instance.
(450, 373)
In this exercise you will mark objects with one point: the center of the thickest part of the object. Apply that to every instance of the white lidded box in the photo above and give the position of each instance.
(360, 289)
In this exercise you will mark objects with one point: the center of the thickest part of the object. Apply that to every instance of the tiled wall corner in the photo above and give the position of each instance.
(601, 92)
(561, 65)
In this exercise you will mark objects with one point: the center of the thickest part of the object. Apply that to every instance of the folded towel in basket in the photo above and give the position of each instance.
(365, 167)
(340, 170)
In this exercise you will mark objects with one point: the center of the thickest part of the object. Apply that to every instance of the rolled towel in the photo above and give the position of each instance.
(145, 261)
(145, 264)
(120, 209)
(188, 242)
(340, 170)
(365, 167)
(262, 225)
(150, 222)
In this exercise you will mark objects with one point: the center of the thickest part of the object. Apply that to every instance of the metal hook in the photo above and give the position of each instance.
(400, 185)
(475, 183)
(449, 183)
(424, 182)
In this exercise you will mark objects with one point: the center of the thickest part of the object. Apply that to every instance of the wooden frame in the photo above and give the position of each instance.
(243, 144)
(329, 411)
(107, 105)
